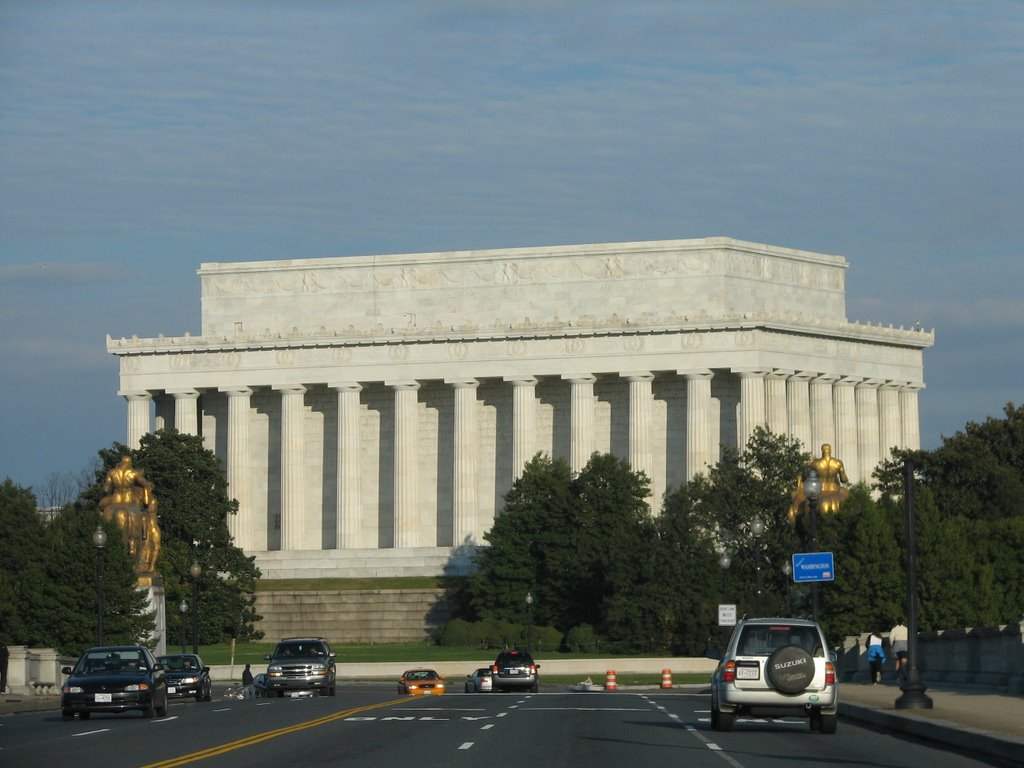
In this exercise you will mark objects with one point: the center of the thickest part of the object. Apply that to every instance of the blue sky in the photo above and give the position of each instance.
(138, 140)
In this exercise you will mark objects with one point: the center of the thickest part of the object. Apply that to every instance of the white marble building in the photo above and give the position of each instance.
(372, 411)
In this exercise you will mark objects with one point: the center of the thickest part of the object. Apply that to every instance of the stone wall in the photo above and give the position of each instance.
(353, 616)
(989, 657)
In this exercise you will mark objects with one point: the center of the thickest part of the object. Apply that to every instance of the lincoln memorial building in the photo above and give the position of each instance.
(371, 412)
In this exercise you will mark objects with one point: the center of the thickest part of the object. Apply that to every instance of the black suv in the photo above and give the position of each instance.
(301, 664)
(514, 670)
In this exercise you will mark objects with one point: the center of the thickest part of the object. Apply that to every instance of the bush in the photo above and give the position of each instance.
(581, 639)
(460, 632)
(545, 640)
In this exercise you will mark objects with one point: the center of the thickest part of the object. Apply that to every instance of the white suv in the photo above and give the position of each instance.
(775, 667)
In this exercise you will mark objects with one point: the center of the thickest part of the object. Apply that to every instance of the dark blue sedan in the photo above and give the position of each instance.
(114, 679)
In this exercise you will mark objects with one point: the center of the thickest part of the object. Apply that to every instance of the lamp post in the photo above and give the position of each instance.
(787, 571)
(724, 562)
(184, 634)
(757, 530)
(913, 696)
(195, 571)
(812, 490)
(529, 622)
(99, 540)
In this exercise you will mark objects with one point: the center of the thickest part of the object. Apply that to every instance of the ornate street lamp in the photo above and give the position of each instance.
(99, 540)
(724, 562)
(787, 571)
(195, 571)
(913, 696)
(812, 490)
(757, 530)
(529, 622)
(184, 634)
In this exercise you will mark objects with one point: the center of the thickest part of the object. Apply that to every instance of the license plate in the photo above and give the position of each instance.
(748, 673)
(171, 689)
(103, 698)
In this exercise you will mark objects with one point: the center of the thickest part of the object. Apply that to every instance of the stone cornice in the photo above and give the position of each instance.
(524, 330)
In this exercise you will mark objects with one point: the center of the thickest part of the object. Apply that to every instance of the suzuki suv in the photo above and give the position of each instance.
(776, 667)
(514, 670)
(301, 664)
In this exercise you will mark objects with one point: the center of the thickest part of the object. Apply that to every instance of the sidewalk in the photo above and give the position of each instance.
(984, 723)
(975, 720)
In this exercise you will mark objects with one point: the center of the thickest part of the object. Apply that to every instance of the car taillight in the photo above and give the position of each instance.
(830, 673)
(729, 671)
(494, 669)
(533, 667)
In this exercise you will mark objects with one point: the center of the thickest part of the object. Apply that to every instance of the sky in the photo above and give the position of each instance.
(139, 140)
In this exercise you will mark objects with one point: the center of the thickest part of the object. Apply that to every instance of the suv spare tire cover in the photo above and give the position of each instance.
(790, 669)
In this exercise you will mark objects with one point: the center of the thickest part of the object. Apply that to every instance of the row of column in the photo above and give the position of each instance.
(860, 418)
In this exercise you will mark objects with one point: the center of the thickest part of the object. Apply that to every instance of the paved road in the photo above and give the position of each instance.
(368, 725)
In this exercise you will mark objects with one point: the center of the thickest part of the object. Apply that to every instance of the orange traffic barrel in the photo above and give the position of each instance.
(666, 678)
(610, 684)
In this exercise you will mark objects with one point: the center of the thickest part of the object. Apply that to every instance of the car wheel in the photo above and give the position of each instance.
(149, 711)
(726, 720)
(714, 717)
(790, 669)
(534, 688)
(815, 721)
(331, 691)
(84, 715)
(280, 694)
(162, 710)
(66, 715)
(829, 723)
(200, 697)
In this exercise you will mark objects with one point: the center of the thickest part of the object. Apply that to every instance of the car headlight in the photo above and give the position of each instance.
(189, 680)
(318, 669)
(136, 687)
(72, 689)
(274, 669)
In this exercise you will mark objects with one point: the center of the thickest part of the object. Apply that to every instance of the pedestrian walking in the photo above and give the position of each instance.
(898, 642)
(248, 690)
(876, 656)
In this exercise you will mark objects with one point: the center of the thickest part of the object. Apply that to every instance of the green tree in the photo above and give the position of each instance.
(22, 554)
(194, 507)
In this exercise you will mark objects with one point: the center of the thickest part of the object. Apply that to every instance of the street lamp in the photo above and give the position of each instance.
(914, 696)
(529, 622)
(724, 562)
(787, 571)
(757, 530)
(196, 571)
(812, 490)
(184, 635)
(99, 540)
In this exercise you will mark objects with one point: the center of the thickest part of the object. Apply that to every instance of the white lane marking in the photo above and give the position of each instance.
(502, 714)
(164, 719)
(91, 733)
(467, 745)
(222, 709)
(489, 725)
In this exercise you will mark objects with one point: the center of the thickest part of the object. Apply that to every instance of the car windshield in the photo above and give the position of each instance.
(107, 662)
(179, 663)
(298, 650)
(422, 674)
(764, 640)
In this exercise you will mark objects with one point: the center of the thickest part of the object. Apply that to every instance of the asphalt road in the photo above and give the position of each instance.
(371, 726)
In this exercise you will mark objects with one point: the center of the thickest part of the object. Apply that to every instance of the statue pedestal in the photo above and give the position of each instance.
(153, 585)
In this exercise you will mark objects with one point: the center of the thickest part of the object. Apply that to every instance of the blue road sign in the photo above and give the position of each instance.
(813, 566)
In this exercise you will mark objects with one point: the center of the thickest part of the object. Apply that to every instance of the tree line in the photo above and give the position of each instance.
(596, 560)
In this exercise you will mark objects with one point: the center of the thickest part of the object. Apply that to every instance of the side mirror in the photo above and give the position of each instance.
(65, 670)
(268, 657)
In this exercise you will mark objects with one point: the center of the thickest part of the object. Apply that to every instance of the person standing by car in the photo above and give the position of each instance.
(248, 690)
(898, 639)
(876, 656)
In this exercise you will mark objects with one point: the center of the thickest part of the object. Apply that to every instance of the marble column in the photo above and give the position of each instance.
(641, 406)
(186, 410)
(407, 518)
(845, 446)
(242, 525)
(294, 534)
(698, 421)
(910, 416)
(776, 401)
(890, 427)
(138, 416)
(866, 395)
(798, 408)
(581, 400)
(349, 500)
(752, 404)
(524, 422)
(823, 423)
(464, 470)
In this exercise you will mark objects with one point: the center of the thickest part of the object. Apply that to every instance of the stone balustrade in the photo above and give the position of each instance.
(989, 657)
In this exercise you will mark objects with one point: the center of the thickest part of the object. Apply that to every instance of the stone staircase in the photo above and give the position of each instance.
(353, 616)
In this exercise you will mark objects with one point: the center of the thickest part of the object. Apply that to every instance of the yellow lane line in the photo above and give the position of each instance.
(248, 741)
